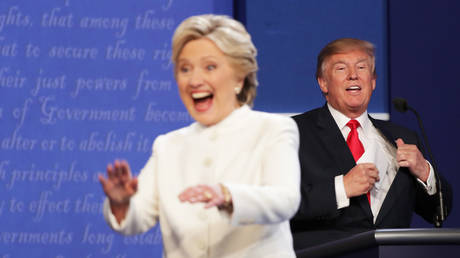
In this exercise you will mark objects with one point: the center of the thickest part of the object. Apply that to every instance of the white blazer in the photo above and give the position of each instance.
(254, 154)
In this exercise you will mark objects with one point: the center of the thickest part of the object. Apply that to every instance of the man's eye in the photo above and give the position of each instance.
(211, 67)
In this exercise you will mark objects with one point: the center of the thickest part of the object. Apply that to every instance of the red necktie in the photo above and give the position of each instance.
(355, 145)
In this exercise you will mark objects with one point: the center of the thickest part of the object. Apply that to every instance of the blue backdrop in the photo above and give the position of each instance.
(289, 37)
(85, 82)
(81, 84)
(423, 43)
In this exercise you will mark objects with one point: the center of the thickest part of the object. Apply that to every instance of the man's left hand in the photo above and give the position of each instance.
(408, 155)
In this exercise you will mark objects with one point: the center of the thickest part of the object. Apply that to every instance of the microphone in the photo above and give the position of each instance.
(401, 105)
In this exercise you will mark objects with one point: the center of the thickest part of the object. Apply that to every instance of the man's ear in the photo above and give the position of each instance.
(374, 80)
(322, 85)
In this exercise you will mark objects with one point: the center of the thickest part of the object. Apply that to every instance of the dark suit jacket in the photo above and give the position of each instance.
(324, 154)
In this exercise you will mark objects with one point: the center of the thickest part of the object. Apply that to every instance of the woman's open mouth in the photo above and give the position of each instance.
(202, 100)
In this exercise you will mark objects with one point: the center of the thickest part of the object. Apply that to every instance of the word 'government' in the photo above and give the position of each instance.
(51, 113)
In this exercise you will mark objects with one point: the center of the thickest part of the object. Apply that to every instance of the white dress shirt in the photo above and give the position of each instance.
(254, 154)
(377, 151)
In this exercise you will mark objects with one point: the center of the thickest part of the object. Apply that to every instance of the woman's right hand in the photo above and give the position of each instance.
(119, 186)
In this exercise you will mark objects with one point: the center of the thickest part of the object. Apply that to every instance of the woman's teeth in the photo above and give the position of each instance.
(200, 95)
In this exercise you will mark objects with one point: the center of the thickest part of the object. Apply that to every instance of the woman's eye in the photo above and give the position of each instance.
(183, 69)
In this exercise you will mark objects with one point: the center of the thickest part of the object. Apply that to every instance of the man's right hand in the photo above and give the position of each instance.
(360, 179)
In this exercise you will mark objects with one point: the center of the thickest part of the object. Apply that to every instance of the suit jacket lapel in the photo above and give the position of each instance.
(332, 138)
(396, 186)
(338, 149)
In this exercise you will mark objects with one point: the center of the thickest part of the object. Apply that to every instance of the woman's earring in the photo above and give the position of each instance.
(237, 90)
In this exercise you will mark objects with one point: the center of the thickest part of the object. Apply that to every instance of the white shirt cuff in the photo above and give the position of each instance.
(340, 194)
(430, 186)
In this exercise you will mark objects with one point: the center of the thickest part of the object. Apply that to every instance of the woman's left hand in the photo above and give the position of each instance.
(212, 195)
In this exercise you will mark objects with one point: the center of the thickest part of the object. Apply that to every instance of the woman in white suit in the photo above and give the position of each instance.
(227, 185)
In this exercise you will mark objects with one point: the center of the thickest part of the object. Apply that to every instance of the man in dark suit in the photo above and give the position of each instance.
(357, 175)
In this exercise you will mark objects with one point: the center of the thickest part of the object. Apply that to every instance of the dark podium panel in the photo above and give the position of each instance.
(392, 243)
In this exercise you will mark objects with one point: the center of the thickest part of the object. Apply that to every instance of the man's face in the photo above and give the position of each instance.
(348, 82)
